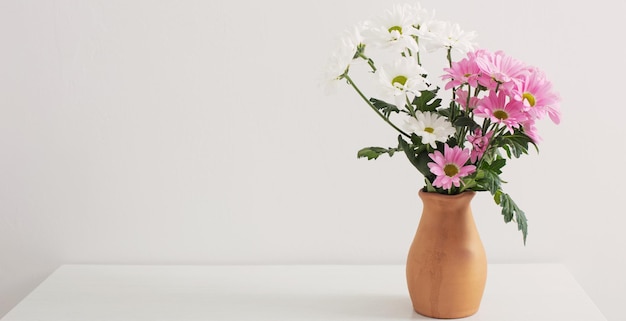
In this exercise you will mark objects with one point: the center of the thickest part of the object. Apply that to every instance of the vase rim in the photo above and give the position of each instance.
(468, 193)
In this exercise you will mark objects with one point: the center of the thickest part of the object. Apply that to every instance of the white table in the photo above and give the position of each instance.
(515, 292)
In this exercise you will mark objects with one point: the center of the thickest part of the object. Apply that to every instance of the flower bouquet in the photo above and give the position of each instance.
(458, 138)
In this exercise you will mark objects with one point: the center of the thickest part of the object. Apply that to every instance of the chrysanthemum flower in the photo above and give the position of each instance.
(461, 98)
(479, 143)
(531, 130)
(394, 29)
(435, 35)
(450, 166)
(535, 91)
(464, 71)
(341, 59)
(402, 79)
(417, 14)
(430, 127)
(500, 109)
(499, 68)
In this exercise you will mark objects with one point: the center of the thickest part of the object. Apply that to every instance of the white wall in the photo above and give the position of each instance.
(193, 132)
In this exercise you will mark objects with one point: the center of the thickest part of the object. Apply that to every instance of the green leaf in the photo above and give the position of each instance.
(467, 182)
(429, 186)
(417, 156)
(511, 211)
(466, 121)
(451, 142)
(427, 100)
(423, 159)
(507, 149)
(488, 179)
(515, 144)
(480, 174)
(374, 152)
(384, 107)
(497, 197)
(416, 140)
(522, 223)
(491, 182)
(410, 154)
(507, 208)
(494, 166)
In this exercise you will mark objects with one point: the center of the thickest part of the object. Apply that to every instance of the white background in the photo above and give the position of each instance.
(194, 132)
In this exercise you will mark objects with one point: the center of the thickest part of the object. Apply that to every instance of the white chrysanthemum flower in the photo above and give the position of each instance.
(341, 59)
(429, 39)
(401, 80)
(395, 28)
(430, 127)
(418, 15)
(436, 35)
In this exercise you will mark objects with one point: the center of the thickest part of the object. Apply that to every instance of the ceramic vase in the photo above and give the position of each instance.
(446, 267)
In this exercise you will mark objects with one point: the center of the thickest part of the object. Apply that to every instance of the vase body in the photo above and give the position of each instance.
(446, 266)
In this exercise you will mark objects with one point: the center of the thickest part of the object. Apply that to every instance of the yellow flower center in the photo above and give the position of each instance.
(396, 28)
(399, 79)
(529, 98)
(450, 170)
(500, 114)
(429, 130)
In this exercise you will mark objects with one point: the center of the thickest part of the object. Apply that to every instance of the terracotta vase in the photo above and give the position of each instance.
(446, 267)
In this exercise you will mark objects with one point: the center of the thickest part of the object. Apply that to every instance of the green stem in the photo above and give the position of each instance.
(463, 131)
(496, 131)
(410, 107)
(369, 103)
(501, 131)
(453, 106)
(369, 60)
(417, 54)
(371, 63)
(486, 124)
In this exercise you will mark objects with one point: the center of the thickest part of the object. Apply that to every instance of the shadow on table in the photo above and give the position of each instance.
(348, 307)
(374, 307)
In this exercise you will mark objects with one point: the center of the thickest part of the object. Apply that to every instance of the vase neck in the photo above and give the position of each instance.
(448, 216)
(446, 203)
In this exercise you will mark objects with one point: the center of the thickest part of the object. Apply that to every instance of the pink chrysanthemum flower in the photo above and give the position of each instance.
(531, 130)
(461, 98)
(479, 143)
(450, 166)
(500, 69)
(495, 106)
(535, 91)
(462, 72)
